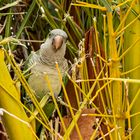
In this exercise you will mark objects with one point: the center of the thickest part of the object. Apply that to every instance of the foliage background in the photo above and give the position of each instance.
(108, 53)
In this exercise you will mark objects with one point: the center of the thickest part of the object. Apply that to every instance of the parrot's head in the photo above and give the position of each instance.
(58, 38)
(55, 45)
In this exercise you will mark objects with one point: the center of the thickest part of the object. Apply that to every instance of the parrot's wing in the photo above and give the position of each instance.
(30, 60)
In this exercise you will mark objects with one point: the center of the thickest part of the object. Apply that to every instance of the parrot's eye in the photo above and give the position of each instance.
(50, 35)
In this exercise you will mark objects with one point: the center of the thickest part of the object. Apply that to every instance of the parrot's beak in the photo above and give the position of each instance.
(57, 42)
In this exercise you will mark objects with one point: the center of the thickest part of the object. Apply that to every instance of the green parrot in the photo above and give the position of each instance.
(44, 61)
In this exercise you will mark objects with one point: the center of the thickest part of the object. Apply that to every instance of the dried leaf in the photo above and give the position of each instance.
(85, 124)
